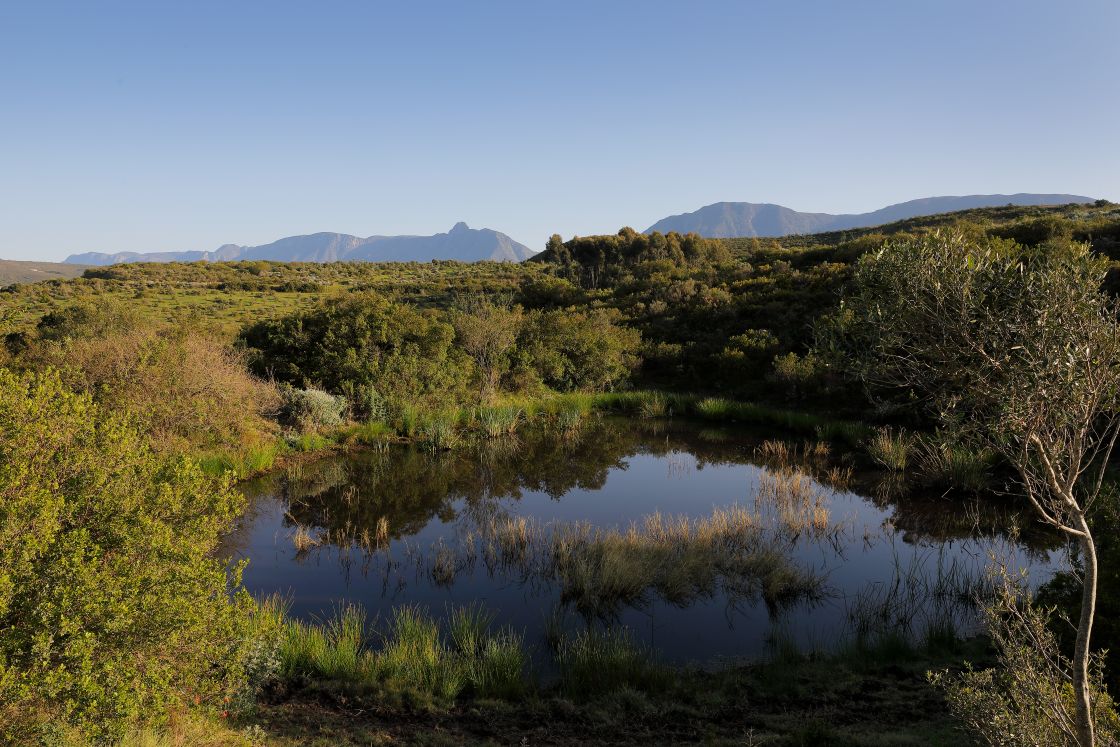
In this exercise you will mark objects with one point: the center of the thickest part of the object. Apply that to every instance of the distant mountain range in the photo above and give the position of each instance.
(725, 220)
(461, 243)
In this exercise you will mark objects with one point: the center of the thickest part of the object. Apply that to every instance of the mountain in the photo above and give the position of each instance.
(461, 243)
(734, 219)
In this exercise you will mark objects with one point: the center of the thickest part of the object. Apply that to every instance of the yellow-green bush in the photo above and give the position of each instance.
(113, 610)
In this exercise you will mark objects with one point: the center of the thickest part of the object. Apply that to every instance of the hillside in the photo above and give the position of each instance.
(461, 243)
(12, 271)
(743, 219)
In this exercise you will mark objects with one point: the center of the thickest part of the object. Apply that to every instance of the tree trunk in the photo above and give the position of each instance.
(1085, 731)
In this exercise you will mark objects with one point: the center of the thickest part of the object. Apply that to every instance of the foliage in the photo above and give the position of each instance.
(1016, 349)
(311, 407)
(363, 341)
(189, 391)
(112, 608)
(568, 349)
(1029, 700)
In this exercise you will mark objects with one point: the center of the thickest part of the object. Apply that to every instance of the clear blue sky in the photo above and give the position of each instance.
(154, 126)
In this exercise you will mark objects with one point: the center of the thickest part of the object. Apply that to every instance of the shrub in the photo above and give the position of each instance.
(312, 407)
(1028, 700)
(569, 349)
(113, 608)
(188, 391)
(800, 376)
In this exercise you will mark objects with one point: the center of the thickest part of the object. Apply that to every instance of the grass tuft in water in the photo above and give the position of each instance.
(890, 449)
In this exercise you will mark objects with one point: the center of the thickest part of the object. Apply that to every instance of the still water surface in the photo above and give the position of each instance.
(613, 473)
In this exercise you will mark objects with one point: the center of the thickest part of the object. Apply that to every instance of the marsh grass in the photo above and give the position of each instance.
(439, 431)
(311, 441)
(594, 662)
(890, 449)
(304, 539)
(444, 566)
(918, 605)
(331, 649)
(499, 421)
(373, 433)
(798, 505)
(942, 462)
(414, 659)
(676, 558)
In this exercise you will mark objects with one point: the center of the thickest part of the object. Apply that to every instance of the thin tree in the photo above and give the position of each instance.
(1014, 349)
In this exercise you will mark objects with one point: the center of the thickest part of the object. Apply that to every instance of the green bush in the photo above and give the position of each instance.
(113, 608)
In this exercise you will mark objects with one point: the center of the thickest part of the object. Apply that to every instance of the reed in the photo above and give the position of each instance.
(499, 421)
(304, 540)
(890, 449)
(439, 431)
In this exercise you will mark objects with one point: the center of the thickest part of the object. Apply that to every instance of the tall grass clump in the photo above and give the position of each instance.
(676, 558)
(440, 431)
(942, 462)
(714, 408)
(495, 663)
(415, 657)
(499, 420)
(334, 649)
(889, 449)
(595, 662)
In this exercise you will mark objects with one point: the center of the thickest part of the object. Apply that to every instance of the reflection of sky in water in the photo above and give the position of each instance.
(644, 472)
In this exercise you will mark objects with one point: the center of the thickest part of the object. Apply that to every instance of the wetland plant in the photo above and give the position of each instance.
(942, 462)
(594, 662)
(889, 449)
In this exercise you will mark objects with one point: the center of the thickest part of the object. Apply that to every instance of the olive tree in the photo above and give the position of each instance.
(1017, 350)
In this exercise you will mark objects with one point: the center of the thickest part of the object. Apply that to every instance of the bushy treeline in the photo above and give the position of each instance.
(739, 315)
(385, 356)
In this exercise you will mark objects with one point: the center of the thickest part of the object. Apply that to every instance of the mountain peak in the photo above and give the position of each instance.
(461, 243)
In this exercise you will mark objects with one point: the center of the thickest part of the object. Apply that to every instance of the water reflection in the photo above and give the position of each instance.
(405, 525)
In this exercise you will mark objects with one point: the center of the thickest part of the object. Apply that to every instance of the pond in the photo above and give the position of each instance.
(709, 544)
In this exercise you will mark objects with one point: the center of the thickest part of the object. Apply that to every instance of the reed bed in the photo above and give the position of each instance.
(675, 558)
(918, 604)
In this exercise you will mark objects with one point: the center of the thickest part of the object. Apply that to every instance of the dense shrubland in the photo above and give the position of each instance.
(113, 612)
